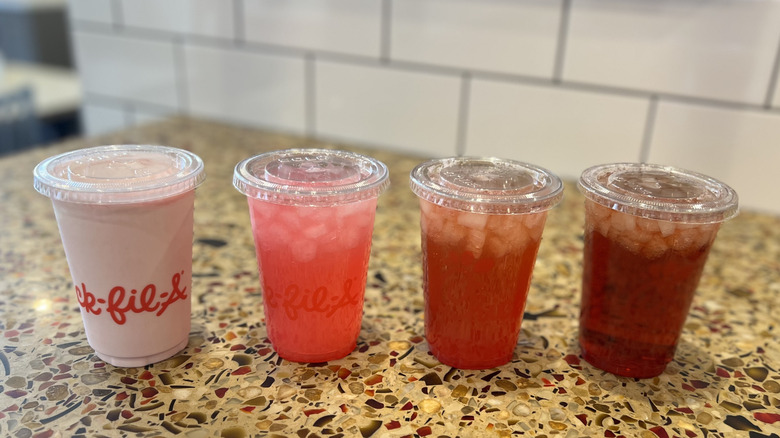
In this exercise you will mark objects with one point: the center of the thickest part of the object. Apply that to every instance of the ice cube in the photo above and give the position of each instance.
(603, 227)
(452, 232)
(427, 208)
(667, 228)
(498, 246)
(655, 247)
(475, 242)
(597, 212)
(535, 221)
(433, 225)
(352, 237)
(315, 231)
(474, 221)
(289, 217)
(261, 210)
(623, 222)
(304, 250)
(274, 235)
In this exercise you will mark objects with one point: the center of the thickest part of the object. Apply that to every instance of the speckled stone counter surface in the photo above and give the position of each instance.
(725, 380)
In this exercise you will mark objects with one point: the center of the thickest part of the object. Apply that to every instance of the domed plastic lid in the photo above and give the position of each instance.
(659, 192)
(311, 177)
(486, 185)
(119, 174)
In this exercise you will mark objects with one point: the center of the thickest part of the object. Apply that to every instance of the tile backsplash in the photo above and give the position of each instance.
(563, 84)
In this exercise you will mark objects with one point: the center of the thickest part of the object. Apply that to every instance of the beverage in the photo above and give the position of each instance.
(643, 259)
(325, 249)
(125, 215)
(481, 223)
(312, 214)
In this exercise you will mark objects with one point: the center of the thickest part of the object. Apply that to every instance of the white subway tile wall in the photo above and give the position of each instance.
(739, 147)
(561, 129)
(344, 26)
(246, 87)
(127, 68)
(407, 110)
(563, 84)
(99, 119)
(97, 11)
(190, 17)
(720, 50)
(508, 36)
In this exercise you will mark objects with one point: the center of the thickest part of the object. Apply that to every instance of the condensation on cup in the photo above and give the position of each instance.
(312, 214)
(125, 215)
(648, 231)
(482, 221)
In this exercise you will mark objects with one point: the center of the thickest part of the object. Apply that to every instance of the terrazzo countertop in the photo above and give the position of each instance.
(724, 381)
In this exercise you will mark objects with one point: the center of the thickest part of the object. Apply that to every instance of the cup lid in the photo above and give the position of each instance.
(487, 185)
(659, 192)
(311, 177)
(118, 174)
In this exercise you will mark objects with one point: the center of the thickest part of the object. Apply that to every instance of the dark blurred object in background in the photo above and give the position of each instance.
(35, 31)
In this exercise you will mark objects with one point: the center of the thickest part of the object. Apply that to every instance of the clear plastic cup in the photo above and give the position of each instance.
(312, 214)
(648, 231)
(125, 215)
(482, 221)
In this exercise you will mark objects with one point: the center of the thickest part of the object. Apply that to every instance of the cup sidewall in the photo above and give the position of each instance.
(132, 246)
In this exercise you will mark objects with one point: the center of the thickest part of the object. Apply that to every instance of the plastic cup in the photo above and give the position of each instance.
(482, 221)
(125, 217)
(312, 214)
(648, 231)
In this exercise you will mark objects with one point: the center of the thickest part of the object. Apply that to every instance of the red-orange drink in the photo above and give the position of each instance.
(312, 214)
(482, 222)
(648, 231)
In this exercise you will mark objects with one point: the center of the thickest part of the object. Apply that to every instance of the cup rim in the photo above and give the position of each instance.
(538, 189)
(370, 178)
(698, 198)
(58, 178)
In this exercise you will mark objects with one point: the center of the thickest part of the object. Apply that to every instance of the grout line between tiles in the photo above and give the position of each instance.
(113, 101)
(180, 64)
(463, 114)
(386, 31)
(563, 34)
(116, 15)
(647, 136)
(129, 112)
(238, 22)
(346, 58)
(310, 91)
(772, 87)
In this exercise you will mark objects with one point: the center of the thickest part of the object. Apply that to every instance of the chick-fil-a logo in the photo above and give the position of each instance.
(295, 300)
(120, 301)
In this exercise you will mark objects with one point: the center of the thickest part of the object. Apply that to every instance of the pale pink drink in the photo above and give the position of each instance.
(125, 215)
(312, 214)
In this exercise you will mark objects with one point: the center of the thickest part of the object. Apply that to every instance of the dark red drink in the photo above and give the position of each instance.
(634, 303)
(648, 231)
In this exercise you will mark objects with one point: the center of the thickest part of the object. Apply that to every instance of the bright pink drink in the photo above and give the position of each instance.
(125, 214)
(312, 214)
(313, 262)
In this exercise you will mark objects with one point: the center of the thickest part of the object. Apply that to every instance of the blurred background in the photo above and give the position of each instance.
(564, 84)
